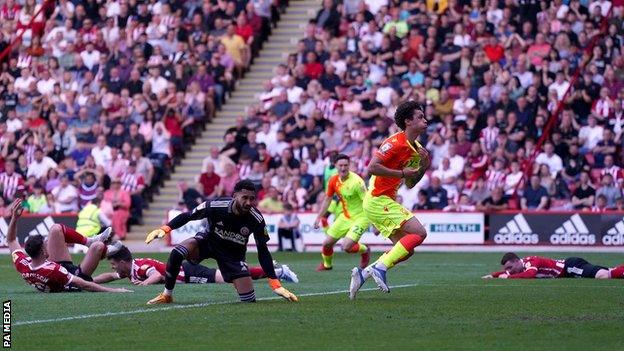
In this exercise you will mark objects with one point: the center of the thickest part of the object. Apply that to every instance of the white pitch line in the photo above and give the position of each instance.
(206, 304)
(177, 307)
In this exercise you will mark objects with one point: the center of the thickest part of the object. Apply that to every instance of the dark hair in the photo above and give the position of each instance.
(341, 157)
(34, 246)
(510, 256)
(405, 111)
(123, 254)
(288, 207)
(244, 184)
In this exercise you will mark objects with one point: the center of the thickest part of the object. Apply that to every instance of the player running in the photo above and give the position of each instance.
(351, 223)
(530, 267)
(230, 221)
(148, 271)
(399, 157)
(46, 264)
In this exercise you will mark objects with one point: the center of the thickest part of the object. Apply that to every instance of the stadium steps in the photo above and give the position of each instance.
(282, 41)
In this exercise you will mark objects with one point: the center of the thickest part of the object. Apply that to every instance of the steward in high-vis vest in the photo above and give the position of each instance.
(91, 220)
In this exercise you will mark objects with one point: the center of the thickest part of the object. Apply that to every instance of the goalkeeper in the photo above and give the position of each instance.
(231, 221)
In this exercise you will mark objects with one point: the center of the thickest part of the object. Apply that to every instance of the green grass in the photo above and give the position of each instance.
(445, 306)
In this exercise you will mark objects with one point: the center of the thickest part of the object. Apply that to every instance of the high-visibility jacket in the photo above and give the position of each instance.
(89, 221)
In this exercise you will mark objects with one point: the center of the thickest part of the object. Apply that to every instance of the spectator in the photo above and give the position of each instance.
(209, 181)
(495, 202)
(116, 205)
(535, 196)
(609, 191)
(40, 165)
(37, 201)
(549, 158)
(287, 228)
(66, 196)
(227, 182)
(10, 181)
(190, 196)
(462, 205)
(436, 194)
(584, 195)
(271, 202)
(133, 183)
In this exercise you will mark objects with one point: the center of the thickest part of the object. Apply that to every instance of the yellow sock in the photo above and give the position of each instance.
(362, 249)
(392, 257)
(328, 257)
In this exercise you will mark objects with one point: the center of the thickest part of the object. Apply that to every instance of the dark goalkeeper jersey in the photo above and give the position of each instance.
(229, 232)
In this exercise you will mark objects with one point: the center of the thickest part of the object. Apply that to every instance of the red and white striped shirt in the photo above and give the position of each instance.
(130, 182)
(614, 171)
(327, 107)
(488, 137)
(10, 184)
(49, 277)
(142, 268)
(494, 179)
(538, 267)
(29, 151)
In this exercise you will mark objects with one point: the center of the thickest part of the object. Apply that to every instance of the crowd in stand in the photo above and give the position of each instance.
(100, 99)
(490, 74)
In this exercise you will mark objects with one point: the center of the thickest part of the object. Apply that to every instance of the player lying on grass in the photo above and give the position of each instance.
(147, 271)
(351, 223)
(47, 265)
(399, 157)
(231, 221)
(530, 267)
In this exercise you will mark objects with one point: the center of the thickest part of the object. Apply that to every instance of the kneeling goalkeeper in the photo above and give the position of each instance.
(231, 221)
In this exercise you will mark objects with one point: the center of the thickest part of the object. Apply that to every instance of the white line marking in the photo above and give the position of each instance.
(177, 307)
(206, 304)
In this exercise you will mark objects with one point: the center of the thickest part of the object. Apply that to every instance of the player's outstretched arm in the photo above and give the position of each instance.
(266, 261)
(94, 287)
(16, 212)
(529, 273)
(106, 277)
(198, 212)
(153, 278)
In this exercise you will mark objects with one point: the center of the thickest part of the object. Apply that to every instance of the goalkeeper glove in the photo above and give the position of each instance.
(157, 233)
(281, 291)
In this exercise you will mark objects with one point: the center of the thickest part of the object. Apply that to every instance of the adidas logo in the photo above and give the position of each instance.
(43, 228)
(615, 235)
(219, 223)
(516, 231)
(573, 232)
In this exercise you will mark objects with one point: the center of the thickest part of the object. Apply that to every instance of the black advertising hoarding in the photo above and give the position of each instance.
(557, 228)
(33, 225)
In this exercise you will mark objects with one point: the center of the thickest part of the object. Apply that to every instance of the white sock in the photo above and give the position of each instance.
(90, 240)
(168, 292)
(379, 265)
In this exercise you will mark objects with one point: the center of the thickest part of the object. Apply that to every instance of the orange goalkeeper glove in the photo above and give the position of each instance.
(157, 233)
(281, 291)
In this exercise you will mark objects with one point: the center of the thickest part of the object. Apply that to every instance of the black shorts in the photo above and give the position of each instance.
(576, 267)
(198, 274)
(231, 266)
(75, 270)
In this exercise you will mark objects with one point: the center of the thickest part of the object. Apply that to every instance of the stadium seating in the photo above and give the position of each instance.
(468, 62)
(119, 92)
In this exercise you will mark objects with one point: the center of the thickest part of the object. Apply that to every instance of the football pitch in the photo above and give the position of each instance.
(438, 302)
